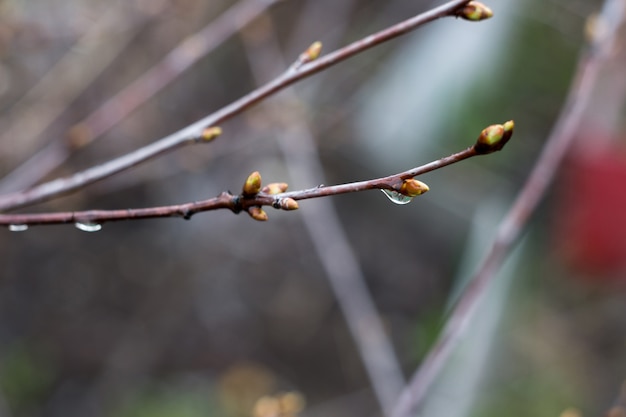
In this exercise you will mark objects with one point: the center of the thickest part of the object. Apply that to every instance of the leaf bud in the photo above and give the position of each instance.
(275, 188)
(313, 52)
(252, 186)
(494, 137)
(257, 213)
(211, 133)
(413, 188)
(474, 11)
(288, 204)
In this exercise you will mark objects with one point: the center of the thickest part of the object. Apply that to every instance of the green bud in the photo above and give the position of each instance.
(474, 11)
(494, 137)
(252, 186)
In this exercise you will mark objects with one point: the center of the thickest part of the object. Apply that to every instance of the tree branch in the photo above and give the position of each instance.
(253, 197)
(193, 133)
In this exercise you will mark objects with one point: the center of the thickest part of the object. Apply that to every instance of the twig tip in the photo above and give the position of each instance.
(474, 11)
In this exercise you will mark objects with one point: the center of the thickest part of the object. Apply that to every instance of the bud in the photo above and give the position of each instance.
(288, 204)
(257, 213)
(275, 188)
(474, 11)
(508, 131)
(312, 52)
(211, 133)
(494, 137)
(252, 186)
(413, 188)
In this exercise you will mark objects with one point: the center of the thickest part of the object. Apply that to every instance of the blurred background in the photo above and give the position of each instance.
(225, 316)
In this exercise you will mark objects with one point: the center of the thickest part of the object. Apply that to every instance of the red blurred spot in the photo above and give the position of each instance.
(591, 211)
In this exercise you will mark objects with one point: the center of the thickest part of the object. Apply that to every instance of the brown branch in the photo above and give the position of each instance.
(193, 133)
(251, 197)
(512, 225)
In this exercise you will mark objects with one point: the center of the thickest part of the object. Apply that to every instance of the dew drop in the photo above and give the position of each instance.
(88, 227)
(18, 227)
(396, 197)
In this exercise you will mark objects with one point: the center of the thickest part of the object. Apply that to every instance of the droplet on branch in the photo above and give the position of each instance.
(88, 227)
(18, 227)
(397, 198)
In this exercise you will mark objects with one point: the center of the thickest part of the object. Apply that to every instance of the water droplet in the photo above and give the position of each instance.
(88, 227)
(396, 197)
(18, 227)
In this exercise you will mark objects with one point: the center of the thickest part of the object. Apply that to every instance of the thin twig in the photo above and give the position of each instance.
(511, 227)
(340, 263)
(117, 108)
(193, 133)
(235, 203)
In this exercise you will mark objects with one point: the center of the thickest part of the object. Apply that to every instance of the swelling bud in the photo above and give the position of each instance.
(474, 11)
(494, 137)
(252, 186)
(413, 188)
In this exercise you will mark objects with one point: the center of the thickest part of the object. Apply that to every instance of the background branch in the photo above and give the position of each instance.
(514, 222)
(346, 278)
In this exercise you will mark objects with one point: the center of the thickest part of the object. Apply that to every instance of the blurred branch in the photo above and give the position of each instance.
(323, 225)
(193, 133)
(121, 105)
(104, 40)
(517, 218)
(253, 197)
